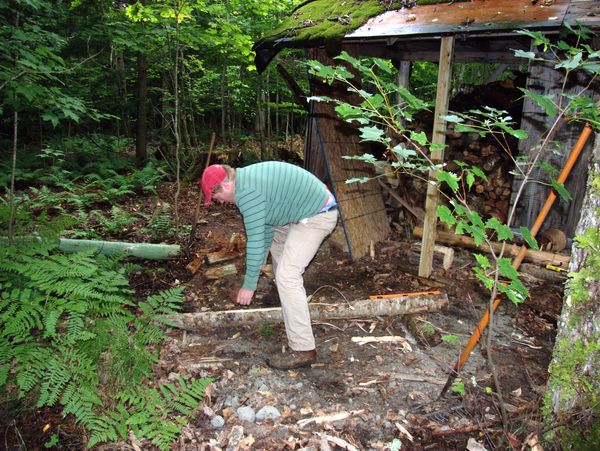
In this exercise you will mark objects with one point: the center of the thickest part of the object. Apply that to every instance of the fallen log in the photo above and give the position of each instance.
(222, 256)
(511, 250)
(139, 250)
(218, 272)
(399, 305)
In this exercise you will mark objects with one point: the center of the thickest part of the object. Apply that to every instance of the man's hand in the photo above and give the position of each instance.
(244, 297)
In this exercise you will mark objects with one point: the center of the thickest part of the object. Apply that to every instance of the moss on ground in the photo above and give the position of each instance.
(332, 19)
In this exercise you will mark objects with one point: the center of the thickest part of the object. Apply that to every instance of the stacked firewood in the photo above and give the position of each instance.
(492, 197)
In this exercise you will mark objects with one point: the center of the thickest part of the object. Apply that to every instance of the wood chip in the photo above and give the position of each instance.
(328, 418)
(338, 441)
(385, 339)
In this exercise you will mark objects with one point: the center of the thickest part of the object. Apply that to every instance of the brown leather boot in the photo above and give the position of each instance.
(292, 360)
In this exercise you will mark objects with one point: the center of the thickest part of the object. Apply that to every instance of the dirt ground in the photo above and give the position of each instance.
(368, 397)
(375, 396)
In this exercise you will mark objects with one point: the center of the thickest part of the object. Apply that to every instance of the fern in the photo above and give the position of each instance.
(154, 413)
(68, 322)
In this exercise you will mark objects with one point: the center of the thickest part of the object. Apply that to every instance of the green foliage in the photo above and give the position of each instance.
(116, 222)
(266, 330)
(154, 413)
(458, 386)
(319, 20)
(70, 337)
(384, 120)
(159, 224)
(450, 338)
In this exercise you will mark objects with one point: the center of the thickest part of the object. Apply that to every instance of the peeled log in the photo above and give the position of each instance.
(140, 250)
(400, 305)
(545, 258)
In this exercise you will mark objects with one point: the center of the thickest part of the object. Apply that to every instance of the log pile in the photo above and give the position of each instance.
(491, 198)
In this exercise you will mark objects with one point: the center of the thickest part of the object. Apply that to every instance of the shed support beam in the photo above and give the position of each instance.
(439, 137)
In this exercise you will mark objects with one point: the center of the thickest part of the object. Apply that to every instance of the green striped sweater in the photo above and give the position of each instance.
(272, 194)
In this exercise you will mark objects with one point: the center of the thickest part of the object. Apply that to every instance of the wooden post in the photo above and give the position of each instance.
(439, 137)
(403, 78)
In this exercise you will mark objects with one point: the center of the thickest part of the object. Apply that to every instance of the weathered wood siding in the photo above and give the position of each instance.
(544, 79)
(329, 138)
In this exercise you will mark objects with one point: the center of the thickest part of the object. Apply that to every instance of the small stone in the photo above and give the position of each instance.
(263, 388)
(217, 422)
(236, 435)
(387, 424)
(299, 385)
(267, 412)
(246, 413)
(232, 401)
(293, 406)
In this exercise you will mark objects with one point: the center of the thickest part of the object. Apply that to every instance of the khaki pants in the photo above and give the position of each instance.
(293, 248)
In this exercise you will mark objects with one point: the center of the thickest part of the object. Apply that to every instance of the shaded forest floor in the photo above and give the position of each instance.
(384, 393)
(375, 396)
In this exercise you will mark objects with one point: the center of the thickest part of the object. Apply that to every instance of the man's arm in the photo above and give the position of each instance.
(253, 208)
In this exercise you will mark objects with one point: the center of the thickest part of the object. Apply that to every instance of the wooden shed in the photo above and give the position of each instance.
(427, 30)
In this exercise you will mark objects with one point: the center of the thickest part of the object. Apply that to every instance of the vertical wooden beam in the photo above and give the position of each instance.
(439, 137)
(403, 76)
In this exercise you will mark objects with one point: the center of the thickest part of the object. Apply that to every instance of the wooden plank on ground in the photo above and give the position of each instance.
(439, 137)
(399, 305)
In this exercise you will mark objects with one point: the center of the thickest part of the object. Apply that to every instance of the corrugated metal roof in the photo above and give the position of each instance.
(489, 17)
(475, 16)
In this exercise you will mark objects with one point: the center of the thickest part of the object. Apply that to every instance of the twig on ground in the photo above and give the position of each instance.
(328, 418)
(310, 298)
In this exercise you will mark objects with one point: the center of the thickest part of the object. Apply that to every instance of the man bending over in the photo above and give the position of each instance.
(288, 211)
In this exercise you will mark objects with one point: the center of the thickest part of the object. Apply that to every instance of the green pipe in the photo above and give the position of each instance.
(139, 250)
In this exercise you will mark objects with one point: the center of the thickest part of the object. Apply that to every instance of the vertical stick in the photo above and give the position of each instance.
(439, 137)
(200, 197)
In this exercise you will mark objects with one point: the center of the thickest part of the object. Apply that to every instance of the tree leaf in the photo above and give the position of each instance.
(445, 215)
(402, 152)
(420, 138)
(528, 237)
(452, 118)
(372, 134)
(470, 178)
(483, 261)
(561, 190)
(571, 63)
(544, 101)
(449, 178)
(502, 230)
(523, 54)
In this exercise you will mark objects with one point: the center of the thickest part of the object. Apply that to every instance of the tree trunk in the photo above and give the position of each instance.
(141, 135)
(574, 385)
(260, 119)
(176, 121)
(223, 105)
(122, 89)
(11, 194)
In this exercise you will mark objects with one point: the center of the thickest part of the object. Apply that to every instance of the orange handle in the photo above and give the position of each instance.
(395, 295)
